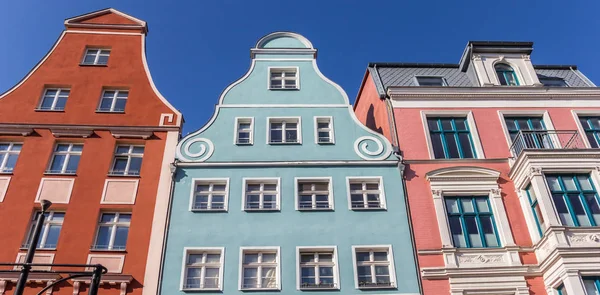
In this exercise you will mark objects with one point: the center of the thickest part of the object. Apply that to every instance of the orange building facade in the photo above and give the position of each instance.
(87, 129)
(501, 169)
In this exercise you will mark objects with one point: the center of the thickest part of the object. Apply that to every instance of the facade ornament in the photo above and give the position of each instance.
(496, 192)
(480, 259)
(205, 149)
(535, 171)
(437, 193)
(364, 149)
(476, 57)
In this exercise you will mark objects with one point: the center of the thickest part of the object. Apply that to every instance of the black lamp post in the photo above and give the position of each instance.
(31, 250)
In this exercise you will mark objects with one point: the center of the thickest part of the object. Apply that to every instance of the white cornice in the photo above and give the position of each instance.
(287, 163)
(512, 92)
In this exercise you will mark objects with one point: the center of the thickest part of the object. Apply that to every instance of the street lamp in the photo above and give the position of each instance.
(31, 250)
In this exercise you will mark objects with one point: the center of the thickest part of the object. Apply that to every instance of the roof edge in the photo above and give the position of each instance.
(411, 65)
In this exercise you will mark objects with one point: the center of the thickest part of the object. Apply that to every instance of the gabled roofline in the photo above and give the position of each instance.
(71, 22)
(412, 65)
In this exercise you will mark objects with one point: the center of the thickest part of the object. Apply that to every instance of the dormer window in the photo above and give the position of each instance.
(431, 81)
(506, 75)
(553, 82)
(283, 78)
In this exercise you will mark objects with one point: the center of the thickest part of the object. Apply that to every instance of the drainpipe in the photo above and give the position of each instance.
(401, 167)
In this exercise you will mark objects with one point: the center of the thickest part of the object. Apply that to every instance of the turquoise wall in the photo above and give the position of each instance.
(211, 153)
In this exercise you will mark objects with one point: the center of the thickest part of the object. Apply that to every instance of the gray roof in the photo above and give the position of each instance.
(402, 74)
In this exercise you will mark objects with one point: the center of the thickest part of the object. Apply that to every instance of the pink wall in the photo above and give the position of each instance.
(371, 110)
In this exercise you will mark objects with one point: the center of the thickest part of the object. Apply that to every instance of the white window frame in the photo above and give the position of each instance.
(330, 198)
(113, 102)
(416, 80)
(276, 180)
(196, 181)
(58, 90)
(7, 153)
(48, 221)
(379, 179)
(129, 155)
(318, 249)
(584, 113)
(113, 231)
(238, 121)
(282, 69)
(98, 54)
(283, 129)
(472, 130)
(67, 155)
(317, 120)
(197, 250)
(244, 250)
(502, 114)
(375, 248)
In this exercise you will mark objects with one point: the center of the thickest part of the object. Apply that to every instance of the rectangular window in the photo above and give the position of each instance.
(244, 131)
(471, 222)
(592, 285)
(113, 229)
(260, 269)
(591, 127)
(553, 82)
(65, 158)
(96, 56)
(54, 99)
(324, 129)
(450, 138)
(113, 101)
(9, 153)
(374, 267)
(50, 230)
(314, 194)
(128, 160)
(317, 269)
(528, 132)
(283, 78)
(203, 269)
(575, 199)
(261, 194)
(431, 81)
(284, 130)
(535, 208)
(366, 193)
(210, 195)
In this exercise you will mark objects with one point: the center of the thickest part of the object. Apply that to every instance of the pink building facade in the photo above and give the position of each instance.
(501, 169)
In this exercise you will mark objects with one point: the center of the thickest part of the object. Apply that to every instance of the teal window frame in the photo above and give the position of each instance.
(505, 71)
(461, 214)
(591, 132)
(595, 281)
(561, 290)
(517, 122)
(566, 196)
(534, 204)
(444, 134)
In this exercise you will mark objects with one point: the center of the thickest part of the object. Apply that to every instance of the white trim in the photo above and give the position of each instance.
(277, 180)
(366, 178)
(122, 257)
(236, 133)
(133, 197)
(4, 190)
(283, 106)
(331, 129)
(259, 249)
(261, 42)
(71, 180)
(287, 163)
(392, 269)
(454, 113)
(336, 268)
(283, 69)
(499, 103)
(192, 250)
(38, 254)
(329, 187)
(39, 64)
(584, 113)
(502, 114)
(104, 33)
(298, 130)
(216, 180)
(103, 12)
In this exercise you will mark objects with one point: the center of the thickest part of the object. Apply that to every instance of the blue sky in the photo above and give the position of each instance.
(196, 48)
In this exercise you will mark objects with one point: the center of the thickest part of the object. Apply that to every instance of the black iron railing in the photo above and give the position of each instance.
(546, 140)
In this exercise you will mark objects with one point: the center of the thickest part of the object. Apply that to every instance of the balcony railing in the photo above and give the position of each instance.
(546, 140)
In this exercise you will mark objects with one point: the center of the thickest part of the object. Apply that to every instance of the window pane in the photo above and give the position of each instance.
(102, 60)
(52, 237)
(269, 277)
(473, 232)
(461, 124)
(467, 205)
(211, 278)
(60, 103)
(213, 258)
(482, 205)
(11, 162)
(447, 124)
(592, 202)
(569, 183)
(276, 83)
(579, 210)
(510, 124)
(89, 58)
(438, 147)
(194, 259)
(291, 135)
(57, 163)
(451, 145)
(269, 257)
(489, 233)
(121, 237)
(452, 205)
(72, 164)
(276, 136)
(103, 237)
(563, 211)
(135, 166)
(465, 143)
(363, 256)
(584, 183)
(553, 183)
(380, 256)
(105, 103)
(457, 232)
(120, 105)
(590, 287)
(325, 257)
(433, 124)
(124, 217)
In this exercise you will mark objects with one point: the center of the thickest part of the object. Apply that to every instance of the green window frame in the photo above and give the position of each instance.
(561, 290)
(591, 127)
(575, 199)
(451, 138)
(506, 75)
(535, 209)
(592, 285)
(471, 222)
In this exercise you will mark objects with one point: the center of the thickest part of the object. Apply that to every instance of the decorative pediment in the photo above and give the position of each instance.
(466, 173)
(106, 18)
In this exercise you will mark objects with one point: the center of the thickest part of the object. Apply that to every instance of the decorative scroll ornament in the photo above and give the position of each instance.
(480, 259)
(203, 146)
(364, 148)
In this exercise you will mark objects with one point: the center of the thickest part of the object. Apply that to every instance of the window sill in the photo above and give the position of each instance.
(60, 174)
(92, 249)
(202, 290)
(314, 209)
(25, 248)
(109, 112)
(240, 143)
(262, 210)
(326, 143)
(92, 65)
(50, 111)
(259, 289)
(124, 175)
(209, 210)
(392, 286)
(285, 143)
(284, 89)
(368, 209)
(6, 173)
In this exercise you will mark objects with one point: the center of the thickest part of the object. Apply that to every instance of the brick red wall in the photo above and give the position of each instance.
(371, 110)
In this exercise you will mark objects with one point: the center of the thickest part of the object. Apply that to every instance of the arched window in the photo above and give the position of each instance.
(506, 75)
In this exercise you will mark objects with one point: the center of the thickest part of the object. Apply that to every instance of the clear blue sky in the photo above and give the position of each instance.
(196, 48)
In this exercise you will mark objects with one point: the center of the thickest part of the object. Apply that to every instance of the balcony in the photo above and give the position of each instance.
(546, 140)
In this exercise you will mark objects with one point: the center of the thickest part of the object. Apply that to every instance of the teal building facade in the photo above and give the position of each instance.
(285, 191)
